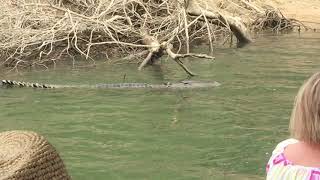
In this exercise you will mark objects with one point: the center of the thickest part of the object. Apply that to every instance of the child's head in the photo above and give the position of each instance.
(305, 118)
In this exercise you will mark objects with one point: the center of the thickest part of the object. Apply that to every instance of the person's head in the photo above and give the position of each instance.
(305, 118)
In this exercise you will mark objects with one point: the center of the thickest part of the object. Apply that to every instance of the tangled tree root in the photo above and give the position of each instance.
(40, 32)
(275, 21)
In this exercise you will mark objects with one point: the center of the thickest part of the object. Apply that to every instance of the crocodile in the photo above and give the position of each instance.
(168, 85)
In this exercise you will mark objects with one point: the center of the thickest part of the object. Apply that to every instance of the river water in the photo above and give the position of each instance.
(226, 132)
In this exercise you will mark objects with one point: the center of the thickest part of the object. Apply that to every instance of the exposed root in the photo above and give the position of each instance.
(234, 24)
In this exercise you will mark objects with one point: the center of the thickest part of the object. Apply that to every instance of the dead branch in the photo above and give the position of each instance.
(177, 57)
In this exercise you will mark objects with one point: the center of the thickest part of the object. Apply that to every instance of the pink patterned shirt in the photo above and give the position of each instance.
(280, 168)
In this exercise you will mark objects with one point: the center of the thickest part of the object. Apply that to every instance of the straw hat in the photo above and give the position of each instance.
(27, 155)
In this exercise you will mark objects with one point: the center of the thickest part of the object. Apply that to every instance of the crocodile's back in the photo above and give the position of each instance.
(124, 85)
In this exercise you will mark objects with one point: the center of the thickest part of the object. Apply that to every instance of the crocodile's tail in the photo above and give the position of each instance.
(9, 83)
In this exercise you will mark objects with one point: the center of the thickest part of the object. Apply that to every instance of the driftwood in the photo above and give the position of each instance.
(158, 49)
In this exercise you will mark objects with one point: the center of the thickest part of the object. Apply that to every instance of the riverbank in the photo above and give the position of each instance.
(41, 33)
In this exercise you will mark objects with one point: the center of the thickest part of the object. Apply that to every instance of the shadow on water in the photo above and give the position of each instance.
(221, 133)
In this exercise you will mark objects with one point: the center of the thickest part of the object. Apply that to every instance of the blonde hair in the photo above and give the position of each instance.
(305, 117)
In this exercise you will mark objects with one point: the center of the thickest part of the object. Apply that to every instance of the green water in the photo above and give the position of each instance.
(219, 133)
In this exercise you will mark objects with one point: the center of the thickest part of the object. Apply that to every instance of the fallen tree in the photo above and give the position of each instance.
(42, 32)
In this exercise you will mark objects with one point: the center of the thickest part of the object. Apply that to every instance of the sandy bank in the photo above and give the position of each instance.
(307, 11)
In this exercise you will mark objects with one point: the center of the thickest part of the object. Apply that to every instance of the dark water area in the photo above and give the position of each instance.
(226, 132)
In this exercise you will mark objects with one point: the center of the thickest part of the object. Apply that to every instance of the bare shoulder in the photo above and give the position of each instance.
(303, 154)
